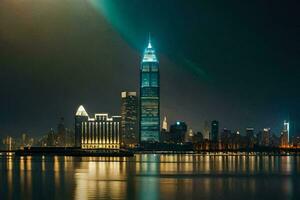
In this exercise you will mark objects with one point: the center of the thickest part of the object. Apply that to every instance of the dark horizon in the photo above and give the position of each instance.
(236, 62)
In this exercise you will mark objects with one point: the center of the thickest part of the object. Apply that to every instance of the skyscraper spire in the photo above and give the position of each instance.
(165, 124)
(149, 53)
(149, 41)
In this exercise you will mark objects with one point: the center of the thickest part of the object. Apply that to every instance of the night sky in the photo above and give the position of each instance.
(234, 61)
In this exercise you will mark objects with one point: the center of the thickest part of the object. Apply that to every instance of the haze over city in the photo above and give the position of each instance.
(233, 62)
(168, 99)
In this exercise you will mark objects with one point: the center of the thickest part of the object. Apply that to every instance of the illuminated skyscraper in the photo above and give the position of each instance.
(165, 124)
(265, 140)
(286, 129)
(149, 96)
(284, 136)
(129, 121)
(98, 132)
(81, 116)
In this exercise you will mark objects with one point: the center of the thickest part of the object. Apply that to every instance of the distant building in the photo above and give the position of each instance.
(250, 132)
(69, 138)
(286, 129)
(197, 138)
(51, 142)
(226, 138)
(250, 137)
(98, 132)
(214, 134)
(236, 140)
(284, 140)
(61, 133)
(9, 143)
(178, 132)
(25, 140)
(165, 136)
(284, 136)
(225, 135)
(189, 135)
(295, 142)
(149, 97)
(274, 141)
(265, 137)
(129, 119)
(165, 124)
(206, 129)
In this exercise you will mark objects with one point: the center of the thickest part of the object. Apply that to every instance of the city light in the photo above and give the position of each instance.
(95, 108)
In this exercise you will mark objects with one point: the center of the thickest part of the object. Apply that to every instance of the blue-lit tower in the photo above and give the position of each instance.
(149, 96)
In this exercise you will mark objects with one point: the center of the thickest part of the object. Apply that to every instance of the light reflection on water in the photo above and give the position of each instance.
(150, 176)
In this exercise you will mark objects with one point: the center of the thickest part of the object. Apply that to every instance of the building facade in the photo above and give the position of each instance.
(286, 129)
(149, 96)
(178, 132)
(61, 133)
(99, 132)
(214, 133)
(165, 124)
(265, 138)
(206, 130)
(129, 119)
(250, 137)
(284, 136)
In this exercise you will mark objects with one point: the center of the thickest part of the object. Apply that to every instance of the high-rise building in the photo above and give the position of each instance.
(284, 136)
(214, 134)
(265, 137)
(250, 137)
(129, 121)
(250, 132)
(149, 96)
(286, 129)
(98, 132)
(225, 137)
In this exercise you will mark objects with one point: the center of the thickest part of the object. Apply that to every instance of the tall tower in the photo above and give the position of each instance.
(286, 129)
(149, 96)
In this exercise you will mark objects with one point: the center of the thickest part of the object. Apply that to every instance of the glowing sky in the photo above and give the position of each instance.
(235, 62)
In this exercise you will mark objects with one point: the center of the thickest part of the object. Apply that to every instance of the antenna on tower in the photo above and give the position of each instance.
(149, 41)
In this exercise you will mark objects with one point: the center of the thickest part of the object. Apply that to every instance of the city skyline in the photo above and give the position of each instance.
(230, 91)
(149, 100)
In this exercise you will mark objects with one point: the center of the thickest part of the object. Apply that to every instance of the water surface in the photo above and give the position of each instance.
(150, 176)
